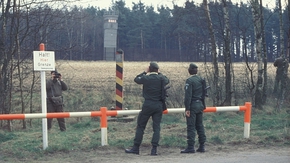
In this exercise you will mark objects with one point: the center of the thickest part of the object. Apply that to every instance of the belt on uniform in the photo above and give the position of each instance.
(196, 100)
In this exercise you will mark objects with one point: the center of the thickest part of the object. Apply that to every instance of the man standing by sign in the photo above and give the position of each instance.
(54, 88)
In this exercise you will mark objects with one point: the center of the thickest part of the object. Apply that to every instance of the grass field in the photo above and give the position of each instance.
(97, 79)
(92, 85)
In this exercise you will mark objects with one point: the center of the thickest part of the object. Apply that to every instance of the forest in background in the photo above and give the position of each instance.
(144, 33)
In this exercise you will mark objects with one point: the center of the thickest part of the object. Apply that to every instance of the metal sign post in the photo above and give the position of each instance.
(43, 61)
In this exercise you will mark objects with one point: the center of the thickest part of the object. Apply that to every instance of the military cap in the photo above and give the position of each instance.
(154, 65)
(192, 66)
(55, 71)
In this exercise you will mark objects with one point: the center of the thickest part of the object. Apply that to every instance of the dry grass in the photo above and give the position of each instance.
(92, 84)
(95, 74)
(99, 77)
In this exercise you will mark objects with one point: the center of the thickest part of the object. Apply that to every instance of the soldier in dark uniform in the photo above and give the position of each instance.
(194, 110)
(152, 106)
(54, 87)
(281, 72)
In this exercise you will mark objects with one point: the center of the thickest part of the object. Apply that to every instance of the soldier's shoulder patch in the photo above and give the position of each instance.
(186, 86)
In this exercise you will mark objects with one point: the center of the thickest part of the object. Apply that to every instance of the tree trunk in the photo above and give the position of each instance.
(179, 47)
(265, 58)
(288, 49)
(69, 30)
(258, 42)
(281, 30)
(5, 63)
(82, 36)
(216, 88)
(227, 54)
(281, 93)
(251, 82)
(20, 73)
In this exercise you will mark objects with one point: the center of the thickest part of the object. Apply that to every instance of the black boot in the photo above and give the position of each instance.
(154, 151)
(133, 150)
(189, 149)
(201, 148)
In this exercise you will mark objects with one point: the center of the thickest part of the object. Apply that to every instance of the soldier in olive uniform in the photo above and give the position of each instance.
(281, 72)
(54, 87)
(194, 110)
(152, 106)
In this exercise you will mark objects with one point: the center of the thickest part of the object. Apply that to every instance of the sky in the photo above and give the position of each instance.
(105, 4)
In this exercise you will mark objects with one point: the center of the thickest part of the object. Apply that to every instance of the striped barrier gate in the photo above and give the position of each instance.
(104, 113)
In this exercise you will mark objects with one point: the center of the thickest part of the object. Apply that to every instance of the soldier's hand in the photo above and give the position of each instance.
(187, 113)
(147, 70)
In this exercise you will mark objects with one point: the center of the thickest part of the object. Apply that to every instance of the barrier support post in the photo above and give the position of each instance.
(104, 124)
(43, 103)
(247, 119)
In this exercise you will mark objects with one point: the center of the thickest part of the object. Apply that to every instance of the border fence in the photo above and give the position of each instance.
(104, 113)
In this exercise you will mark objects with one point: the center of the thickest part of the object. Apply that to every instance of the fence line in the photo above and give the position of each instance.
(104, 113)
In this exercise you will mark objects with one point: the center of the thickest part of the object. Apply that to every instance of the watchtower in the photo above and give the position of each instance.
(110, 34)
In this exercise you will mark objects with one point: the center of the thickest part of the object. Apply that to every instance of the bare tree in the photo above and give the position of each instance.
(265, 58)
(6, 60)
(288, 49)
(216, 88)
(258, 43)
(13, 34)
(285, 64)
(227, 54)
(282, 54)
(70, 30)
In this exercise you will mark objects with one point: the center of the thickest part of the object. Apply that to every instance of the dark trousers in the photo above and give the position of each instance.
(51, 109)
(277, 84)
(195, 122)
(149, 109)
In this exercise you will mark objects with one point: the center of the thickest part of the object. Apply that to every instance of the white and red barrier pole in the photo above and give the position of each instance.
(246, 109)
(104, 113)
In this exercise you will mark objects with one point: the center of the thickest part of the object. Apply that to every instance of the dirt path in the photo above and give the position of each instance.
(273, 155)
(214, 154)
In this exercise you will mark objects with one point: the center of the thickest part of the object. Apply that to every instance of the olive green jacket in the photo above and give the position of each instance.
(151, 84)
(55, 87)
(193, 93)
